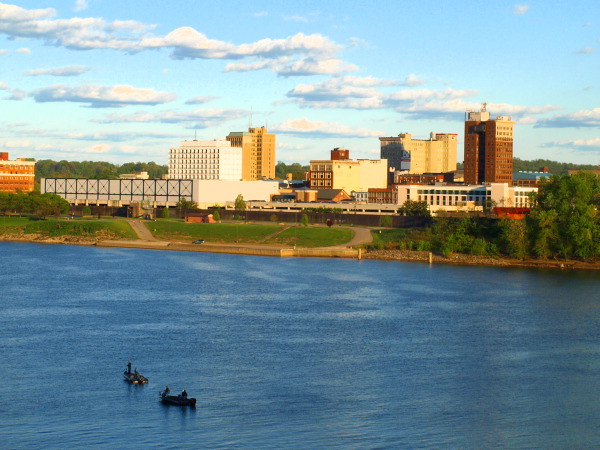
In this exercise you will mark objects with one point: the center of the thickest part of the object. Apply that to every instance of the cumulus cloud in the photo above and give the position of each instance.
(24, 50)
(581, 144)
(198, 118)
(15, 94)
(306, 127)
(310, 54)
(520, 9)
(200, 100)
(287, 67)
(97, 96)
(578, 119)
(66, 71)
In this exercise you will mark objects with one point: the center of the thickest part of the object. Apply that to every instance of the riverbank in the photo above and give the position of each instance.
(324, 252)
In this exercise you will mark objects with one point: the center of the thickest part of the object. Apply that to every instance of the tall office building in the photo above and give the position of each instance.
(258, 152)
(434, 155)
(488, 148)
(206, 160)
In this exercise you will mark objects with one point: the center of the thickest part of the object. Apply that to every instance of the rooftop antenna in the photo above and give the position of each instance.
(250, 123)
(195, 135)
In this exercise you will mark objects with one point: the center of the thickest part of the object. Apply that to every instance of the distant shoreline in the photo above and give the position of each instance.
(326, 252)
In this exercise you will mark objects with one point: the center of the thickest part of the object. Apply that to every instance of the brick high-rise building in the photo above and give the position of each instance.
(258, 152)
(488, 148)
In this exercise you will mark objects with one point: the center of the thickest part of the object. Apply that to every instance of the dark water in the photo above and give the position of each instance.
(293, 352)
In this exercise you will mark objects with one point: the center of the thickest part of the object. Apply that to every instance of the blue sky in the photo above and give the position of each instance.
(126, 81)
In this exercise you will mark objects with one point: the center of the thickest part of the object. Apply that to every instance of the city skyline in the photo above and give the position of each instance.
(119, 82)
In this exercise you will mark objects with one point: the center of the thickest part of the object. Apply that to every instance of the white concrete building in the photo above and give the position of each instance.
(466, 198)
(206, 160)
(213, 192)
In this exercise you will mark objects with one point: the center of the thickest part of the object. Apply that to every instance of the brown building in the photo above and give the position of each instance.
(386, 196)
(258, 153)
(488, 148)
(17, 175)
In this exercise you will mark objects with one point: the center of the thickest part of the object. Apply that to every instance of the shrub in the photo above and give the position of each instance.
(86, 211)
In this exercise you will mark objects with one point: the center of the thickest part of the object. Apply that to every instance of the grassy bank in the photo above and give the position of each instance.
(168, 229)
(92, 229)
(312, 237)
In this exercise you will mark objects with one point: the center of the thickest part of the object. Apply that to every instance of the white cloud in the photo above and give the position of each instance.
(66, 71)
(584, 51)
(198, 118)
(102, 96)
(311, 54)
(260, 14)
(24, 50)
(583, 118)
(200, 100)
(306, 127)
(581, 144)
(80, 5)
(3, 52)
(520, 9)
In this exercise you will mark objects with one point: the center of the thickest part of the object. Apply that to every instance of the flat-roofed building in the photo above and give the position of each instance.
(340, 172)
(433, 155)
(258, 152)
(17, 175)
(488, 148)
(206, 160)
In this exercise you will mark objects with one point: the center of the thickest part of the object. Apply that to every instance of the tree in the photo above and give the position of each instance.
(165, 213)
(86, 211)
(185, 205)
(240, 204)
(304, 220)
(414, 208)
(385, 221)
(50, 204)
(565, 220)
(216, 215)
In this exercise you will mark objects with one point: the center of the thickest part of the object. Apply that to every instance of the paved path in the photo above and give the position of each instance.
(361, 236)
(141, 230)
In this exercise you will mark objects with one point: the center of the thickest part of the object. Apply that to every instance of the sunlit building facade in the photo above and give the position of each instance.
(17, 175)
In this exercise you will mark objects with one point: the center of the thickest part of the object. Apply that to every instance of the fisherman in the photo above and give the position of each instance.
(184, 394)
(128, 367)
(167, 390)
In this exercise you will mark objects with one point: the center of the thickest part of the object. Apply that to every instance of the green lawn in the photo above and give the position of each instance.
(167, 229)
(312, 237)
(61, 227)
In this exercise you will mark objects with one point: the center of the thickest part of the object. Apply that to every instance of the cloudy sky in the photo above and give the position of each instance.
(125, 81)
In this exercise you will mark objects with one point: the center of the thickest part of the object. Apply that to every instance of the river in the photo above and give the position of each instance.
(293, 352)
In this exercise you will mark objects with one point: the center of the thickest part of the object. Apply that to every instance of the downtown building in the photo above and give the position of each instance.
(17, 175)
(258, 153)
(416, 156)
(340, 172)
(488, 148)
(205, 160)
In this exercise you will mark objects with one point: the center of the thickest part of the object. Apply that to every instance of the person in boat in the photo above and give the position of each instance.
(184, 394)
(167, 390)
(136, 372)
(128, 366)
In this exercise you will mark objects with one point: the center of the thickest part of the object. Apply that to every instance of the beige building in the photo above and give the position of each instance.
(258, 152)
(434, 155)
(340, 172)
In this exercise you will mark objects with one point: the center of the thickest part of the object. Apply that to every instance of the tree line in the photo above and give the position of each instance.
(41, 205)
(47, 168)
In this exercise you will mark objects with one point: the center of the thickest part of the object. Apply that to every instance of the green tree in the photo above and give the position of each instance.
(565, 220)
(304, 220)
(86, 211)
(240, 204)
(385, 221)
(216, 215)
(165, 213)
(184, 204)
(49, 205)
(514, 238)
(414, 208)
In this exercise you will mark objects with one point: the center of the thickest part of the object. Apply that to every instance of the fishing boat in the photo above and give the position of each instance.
(134, 377)
(178, 400)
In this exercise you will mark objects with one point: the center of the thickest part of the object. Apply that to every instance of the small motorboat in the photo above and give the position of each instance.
(179, 400)
(134, 377)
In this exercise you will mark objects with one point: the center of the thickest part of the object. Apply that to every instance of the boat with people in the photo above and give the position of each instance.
(179, 400)
(133, 377)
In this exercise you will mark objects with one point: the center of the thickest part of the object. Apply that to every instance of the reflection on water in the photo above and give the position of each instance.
(293, 352)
